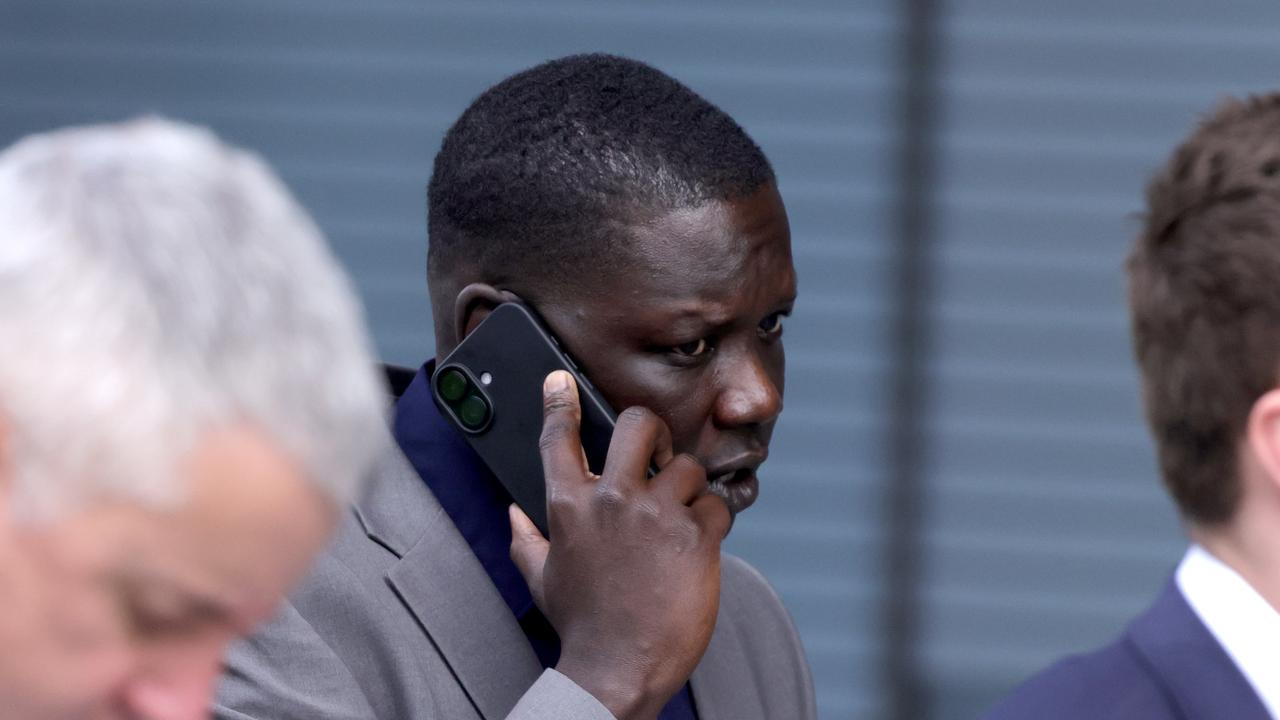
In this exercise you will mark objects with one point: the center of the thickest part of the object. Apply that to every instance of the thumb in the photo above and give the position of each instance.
(529, 552)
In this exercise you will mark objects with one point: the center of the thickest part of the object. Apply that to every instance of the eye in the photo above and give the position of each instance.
(156, 611)
(147, 618)
(694, 349)
(772, 325)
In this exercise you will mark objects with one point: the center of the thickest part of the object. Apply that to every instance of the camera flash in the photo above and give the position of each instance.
(485, 378)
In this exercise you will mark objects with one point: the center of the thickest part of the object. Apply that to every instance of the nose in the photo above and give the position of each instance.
(178, 684)
(749, 395)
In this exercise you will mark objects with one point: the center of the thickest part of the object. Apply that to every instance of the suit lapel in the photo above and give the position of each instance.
(720, 691)
(1197, 674)
(442, 584)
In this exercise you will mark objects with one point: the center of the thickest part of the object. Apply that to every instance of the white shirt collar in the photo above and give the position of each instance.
(1238, 617)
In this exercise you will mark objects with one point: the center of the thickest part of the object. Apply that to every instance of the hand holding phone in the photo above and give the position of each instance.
(631, 577)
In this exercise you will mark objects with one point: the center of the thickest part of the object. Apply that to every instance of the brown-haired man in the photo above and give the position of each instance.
(1204, 286)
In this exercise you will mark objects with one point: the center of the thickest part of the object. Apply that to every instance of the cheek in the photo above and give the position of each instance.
(91, 627)
(64, 648)
(688, 416)
(682, 397)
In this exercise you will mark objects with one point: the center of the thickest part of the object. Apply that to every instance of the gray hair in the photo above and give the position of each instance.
(155, 284)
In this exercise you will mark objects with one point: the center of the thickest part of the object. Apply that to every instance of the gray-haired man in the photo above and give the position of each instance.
(186, 398)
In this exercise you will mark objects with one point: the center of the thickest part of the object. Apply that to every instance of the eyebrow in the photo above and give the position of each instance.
(686, 318)
(188, 607)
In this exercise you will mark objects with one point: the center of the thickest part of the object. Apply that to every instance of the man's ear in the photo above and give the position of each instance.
(473, 304)
(1262, 435)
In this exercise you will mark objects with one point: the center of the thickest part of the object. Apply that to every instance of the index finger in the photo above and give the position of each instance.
(713, 516)
(561, 442)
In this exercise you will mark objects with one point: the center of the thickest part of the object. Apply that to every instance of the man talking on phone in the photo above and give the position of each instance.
(645, 228)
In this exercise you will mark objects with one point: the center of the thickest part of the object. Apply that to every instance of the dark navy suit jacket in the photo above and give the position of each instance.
(1166, 665)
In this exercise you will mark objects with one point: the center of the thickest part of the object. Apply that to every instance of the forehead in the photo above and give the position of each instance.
(245, 527)
(712, 252)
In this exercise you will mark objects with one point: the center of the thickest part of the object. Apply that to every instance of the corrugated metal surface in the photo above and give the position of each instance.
(349, 101)
(1047, 526)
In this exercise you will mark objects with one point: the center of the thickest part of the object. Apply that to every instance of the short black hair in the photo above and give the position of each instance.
(541, 167)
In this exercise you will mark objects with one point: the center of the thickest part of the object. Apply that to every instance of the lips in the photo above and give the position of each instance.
(735, 481)
(738, 489)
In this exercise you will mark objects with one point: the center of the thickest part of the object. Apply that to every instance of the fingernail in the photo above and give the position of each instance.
(557, 381)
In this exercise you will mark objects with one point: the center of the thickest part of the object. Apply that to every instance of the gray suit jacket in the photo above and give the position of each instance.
(398, 621)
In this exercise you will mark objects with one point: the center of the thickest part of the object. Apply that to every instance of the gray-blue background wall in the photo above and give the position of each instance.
(1041, 525)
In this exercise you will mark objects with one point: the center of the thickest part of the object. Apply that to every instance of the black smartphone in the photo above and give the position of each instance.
(490, 387)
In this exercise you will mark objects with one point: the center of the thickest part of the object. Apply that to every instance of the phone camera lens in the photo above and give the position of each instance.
(453, 385)
(473, 412)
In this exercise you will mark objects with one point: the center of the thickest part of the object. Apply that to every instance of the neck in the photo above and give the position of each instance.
(1250, 545)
